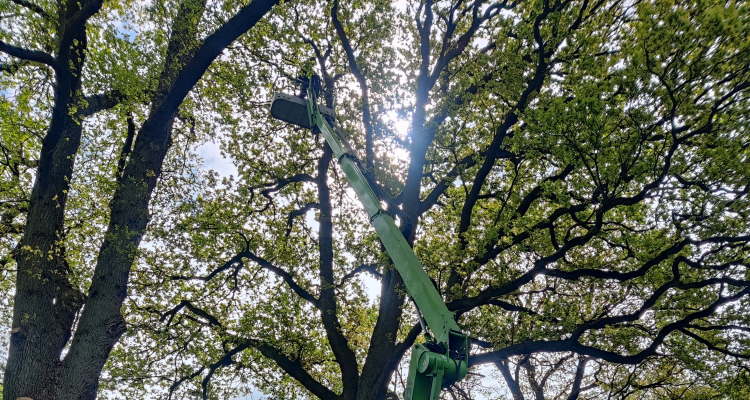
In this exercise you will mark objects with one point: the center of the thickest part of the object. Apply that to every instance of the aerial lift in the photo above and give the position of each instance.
(444, 358)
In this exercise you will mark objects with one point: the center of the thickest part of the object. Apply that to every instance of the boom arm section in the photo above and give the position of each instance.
(444, 360)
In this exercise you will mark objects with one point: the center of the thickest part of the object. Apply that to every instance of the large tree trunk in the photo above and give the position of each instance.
(101, 323)
(384, 352)
(45, 304)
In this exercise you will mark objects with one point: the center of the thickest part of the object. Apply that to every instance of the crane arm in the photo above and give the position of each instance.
(442, 361)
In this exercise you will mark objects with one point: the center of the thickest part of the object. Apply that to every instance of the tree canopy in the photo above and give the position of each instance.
(573, 175)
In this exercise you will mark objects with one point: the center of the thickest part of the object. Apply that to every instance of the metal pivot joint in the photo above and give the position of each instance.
(443, 360)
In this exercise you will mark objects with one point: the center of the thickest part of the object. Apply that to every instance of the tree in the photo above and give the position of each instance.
(61, 337)
(573, 176)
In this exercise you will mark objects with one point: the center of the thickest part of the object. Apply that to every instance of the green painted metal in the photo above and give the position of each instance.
(446, 359)
(430, 372)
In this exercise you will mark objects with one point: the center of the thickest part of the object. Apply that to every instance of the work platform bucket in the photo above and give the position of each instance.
(293, 109)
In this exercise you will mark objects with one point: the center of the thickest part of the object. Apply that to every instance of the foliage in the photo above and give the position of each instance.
(573, 176)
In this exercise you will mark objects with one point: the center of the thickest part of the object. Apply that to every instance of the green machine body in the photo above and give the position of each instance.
(443, 359)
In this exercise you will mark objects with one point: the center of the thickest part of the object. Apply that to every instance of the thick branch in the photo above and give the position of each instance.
(575, 389)
(494, 151)
(328, 303)
(357, 72)
(100, 102)
(283, 182)
(295, 369)
(446, 182)
(398, 353)
(287, 277)
(127, 146)
(291, 366)
(28, 55)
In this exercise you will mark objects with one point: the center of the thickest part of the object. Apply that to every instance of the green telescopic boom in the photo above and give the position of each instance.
(443, 360)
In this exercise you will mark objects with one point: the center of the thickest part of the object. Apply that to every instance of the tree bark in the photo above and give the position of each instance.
(328, 304)
(45, 303)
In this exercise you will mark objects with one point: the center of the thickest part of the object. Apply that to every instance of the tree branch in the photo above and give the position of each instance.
(494, 150)
(357, 72)
(291, 366)
(712, 346)
(295, 369)
(33, 7)
(28, 55)
(100, 102)
(169, 315)
(73, 26)
(287, 277)
(575, 389)
(515, 389)
(372, 269)
(127, 146)
(571, 344)
(297, 213)
(328, 304)
(283, 182)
